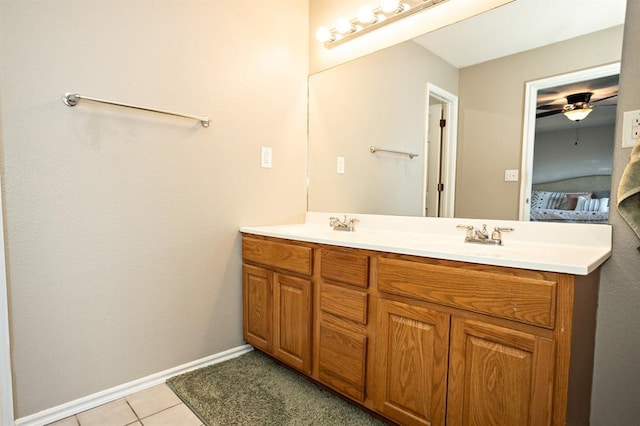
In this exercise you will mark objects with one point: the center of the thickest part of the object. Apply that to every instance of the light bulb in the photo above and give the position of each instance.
(323, 35)
(390, 6)
(366, 15)
(343, 26)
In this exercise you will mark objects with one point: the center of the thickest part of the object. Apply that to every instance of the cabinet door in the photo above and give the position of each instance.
(498, 376)
(292, 321)
(411, 363)
(257, 306)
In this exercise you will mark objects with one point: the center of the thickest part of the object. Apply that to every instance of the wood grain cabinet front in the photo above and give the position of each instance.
(278, 306)
(425, 341)
(292, 321)
(499, 376)
(342, 321)
(257, 306)
(412, 348)
(342, 360)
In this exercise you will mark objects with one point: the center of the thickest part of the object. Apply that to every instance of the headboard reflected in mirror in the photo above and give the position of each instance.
(381, 99)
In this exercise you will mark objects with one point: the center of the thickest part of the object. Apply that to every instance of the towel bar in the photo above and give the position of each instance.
(71, 99)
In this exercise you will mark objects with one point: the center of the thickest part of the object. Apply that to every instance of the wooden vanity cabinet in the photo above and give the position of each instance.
(424, 341)
(277, 300)
(519, 343)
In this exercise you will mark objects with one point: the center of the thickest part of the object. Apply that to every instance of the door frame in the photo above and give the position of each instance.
(6, 381)
(449, 149)
(529, 125)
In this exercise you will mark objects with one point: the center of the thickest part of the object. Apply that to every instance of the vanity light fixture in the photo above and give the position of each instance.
(577, 114)
(369, 19)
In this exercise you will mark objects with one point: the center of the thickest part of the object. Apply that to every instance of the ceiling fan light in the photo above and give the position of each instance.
(578, 113)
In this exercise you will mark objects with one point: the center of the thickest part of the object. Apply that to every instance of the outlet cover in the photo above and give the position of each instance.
(511, 175)
(630, 128)
(266, 157)
(340, 165)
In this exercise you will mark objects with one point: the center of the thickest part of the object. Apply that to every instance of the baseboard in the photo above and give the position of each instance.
(88, 402)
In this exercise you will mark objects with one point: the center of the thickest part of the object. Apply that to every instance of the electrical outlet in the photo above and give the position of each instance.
(340, 165)
(511, 175)
(266, 157)
(630, 128)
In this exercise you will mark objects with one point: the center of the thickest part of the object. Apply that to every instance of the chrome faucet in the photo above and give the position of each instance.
(481, 236)
(348, 225)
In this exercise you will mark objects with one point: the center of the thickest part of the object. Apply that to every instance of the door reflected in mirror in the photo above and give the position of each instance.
(572, 154)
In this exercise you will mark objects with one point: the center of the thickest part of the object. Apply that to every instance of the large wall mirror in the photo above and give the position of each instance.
(395, 98)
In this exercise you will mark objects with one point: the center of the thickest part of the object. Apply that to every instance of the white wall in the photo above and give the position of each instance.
(556, 155)
(121, 226)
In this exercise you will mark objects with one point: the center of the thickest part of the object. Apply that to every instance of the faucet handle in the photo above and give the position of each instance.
(497, 232)
(503, 229)
(469, 229)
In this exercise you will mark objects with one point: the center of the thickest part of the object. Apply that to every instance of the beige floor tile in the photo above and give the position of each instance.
(116, 413)
(153, 400)
(69, 421)
(178, 415)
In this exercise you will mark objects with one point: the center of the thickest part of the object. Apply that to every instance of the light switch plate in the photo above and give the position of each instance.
(266, 157)
(630, 128)
(511, 175)
(340, 165)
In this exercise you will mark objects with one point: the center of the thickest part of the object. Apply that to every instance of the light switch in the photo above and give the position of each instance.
(340, 165)
(266, 157)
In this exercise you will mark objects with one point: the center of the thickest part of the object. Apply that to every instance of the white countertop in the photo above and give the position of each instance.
(568, 248)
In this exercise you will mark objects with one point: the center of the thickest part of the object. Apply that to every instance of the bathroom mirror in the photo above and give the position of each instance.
(485, 62)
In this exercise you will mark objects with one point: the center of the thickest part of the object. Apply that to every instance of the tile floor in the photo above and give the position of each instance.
(156, 406)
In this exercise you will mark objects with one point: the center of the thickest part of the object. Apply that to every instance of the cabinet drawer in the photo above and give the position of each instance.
(345, 303)
(342, 360)
(285, 256)
(527, 297)
(350, 267)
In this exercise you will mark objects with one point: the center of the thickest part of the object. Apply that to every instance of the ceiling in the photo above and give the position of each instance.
(521, 25)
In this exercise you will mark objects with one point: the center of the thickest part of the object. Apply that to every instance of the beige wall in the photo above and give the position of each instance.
(617, 376)
(491, 112)
(379, 100)
(122, 227)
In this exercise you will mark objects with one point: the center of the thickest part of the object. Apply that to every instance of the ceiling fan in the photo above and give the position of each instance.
(577, 108)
